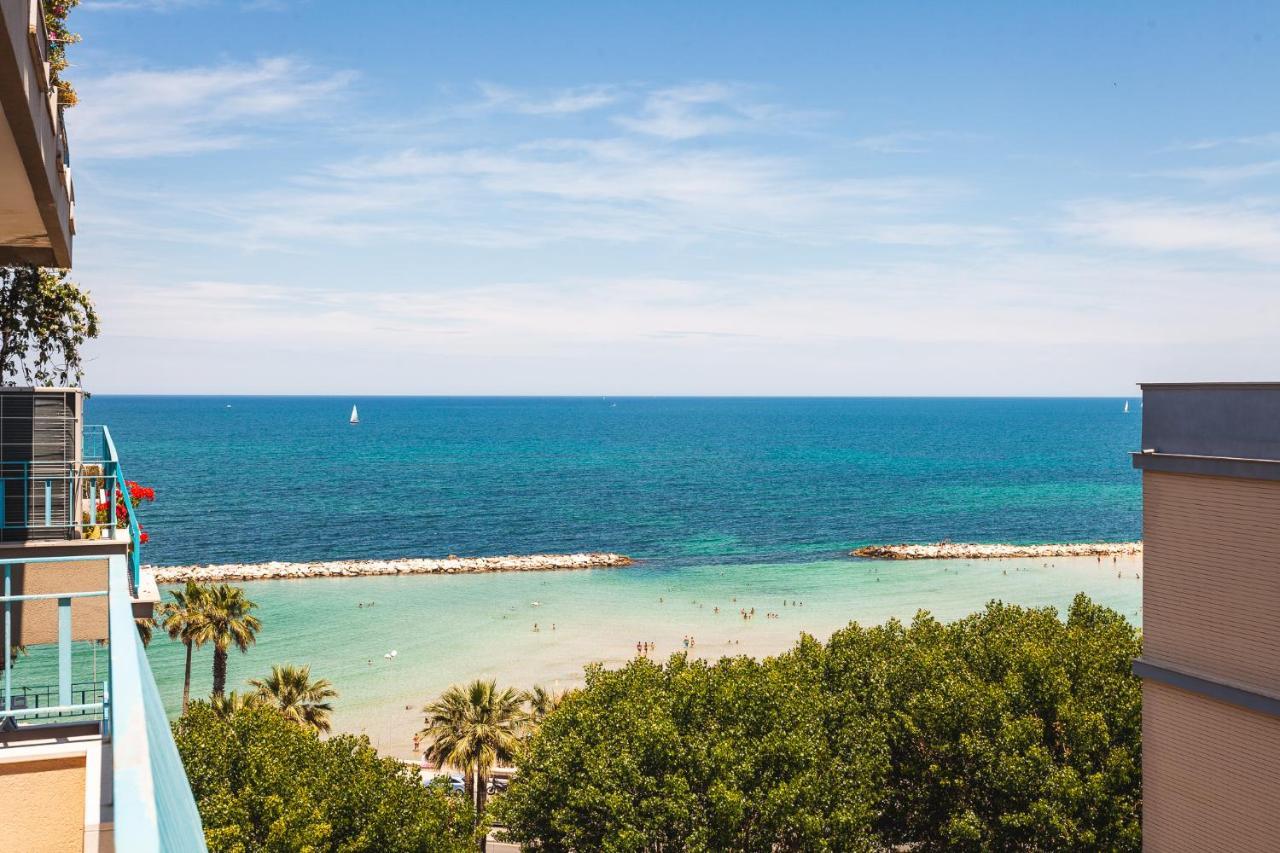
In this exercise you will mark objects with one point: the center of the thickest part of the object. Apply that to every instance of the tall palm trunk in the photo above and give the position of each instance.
(186, 679)
(219, 671)
(482, 795)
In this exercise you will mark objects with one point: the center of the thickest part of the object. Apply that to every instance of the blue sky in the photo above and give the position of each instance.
(285, 196)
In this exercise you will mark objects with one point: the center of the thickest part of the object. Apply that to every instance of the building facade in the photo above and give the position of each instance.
(1210, 665)
(87, 759)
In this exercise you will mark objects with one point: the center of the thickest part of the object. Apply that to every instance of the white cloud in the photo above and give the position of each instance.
(168, 112)
(598, 190)
(859, 328)
(1217, 175)
(909, 142)
(1255, 140)
(1245, 230)
(701, 109)
(563, 102)
(142, 5)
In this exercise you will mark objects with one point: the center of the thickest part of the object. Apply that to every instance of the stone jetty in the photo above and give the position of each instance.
(450, 565)
(979, 551)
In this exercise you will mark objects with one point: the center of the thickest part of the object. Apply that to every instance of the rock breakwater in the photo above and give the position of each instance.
(979, 551)
(408, 566)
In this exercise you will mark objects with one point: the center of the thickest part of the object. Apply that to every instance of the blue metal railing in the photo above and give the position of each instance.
(99, 449)
(154, 807)
(61, 499)
(66, 704)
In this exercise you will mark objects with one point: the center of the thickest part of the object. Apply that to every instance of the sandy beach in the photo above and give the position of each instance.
(527, 628)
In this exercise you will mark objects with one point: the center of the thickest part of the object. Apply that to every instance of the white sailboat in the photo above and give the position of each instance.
(1126, 409)
(355, 416)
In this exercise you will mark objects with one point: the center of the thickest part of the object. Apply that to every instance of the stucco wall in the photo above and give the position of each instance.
(42, 805)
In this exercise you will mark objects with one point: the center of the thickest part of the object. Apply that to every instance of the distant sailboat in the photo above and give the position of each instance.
(355, 416)
(1126, 409)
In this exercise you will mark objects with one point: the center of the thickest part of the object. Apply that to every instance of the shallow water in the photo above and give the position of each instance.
(453, 628)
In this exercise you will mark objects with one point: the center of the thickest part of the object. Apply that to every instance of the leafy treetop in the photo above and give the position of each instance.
(264, 782)
(44, 321)
(1011, 729)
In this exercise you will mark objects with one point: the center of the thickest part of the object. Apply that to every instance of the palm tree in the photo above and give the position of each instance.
(225, 620)
(290, 690)
(472, 728)
(541, 703)
(145, 627)
(225, 706)
(181, 619)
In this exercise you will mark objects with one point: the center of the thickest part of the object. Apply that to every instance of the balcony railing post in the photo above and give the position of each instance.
(8, 637)
(64, 651)
(109, 468)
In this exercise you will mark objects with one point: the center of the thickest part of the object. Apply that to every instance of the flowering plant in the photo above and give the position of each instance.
(55, 23)
(137, 494)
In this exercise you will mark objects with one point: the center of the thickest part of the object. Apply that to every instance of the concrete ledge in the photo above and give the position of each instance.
(1208, 466)
(1203, 685)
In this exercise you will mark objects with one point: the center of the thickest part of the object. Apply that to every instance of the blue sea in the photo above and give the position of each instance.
(730, 505)
(246, 479)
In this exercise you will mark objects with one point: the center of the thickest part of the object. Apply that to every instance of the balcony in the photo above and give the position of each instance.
(85, 744)
(37, 198)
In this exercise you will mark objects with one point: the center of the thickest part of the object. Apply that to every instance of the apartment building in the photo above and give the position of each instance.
(1210, 463)
(87, 761)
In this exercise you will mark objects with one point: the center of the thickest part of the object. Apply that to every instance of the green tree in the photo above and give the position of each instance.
(1009, 730)
(695, 756)
(472, 729)
(182, 620)
(290, 690)
(262, 782)
(44, 321)
(225, 620)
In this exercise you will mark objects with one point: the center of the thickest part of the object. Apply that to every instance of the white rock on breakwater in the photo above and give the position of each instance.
(978, 551)
(406, 566)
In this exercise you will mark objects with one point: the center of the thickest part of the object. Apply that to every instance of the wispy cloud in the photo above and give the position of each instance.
(143, 5)
(1218, 175)
(1253, 140)
(562, 102)
(167, 112)
(702, 109)
(613, 190)
(910, 142)
(1248, 230)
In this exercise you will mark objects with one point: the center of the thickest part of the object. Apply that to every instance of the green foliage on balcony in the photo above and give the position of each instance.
(45, 319)
(55, 24)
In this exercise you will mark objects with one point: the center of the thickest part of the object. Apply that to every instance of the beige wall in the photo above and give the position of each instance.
(36, 622)
(42, 805)
(1210, 774)
(1211, 577)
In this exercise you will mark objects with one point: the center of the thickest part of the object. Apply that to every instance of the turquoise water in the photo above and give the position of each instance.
(753, 500)
(676, 480)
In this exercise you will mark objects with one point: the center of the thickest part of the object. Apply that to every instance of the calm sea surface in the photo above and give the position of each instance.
(677, 480)
(730, 504)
